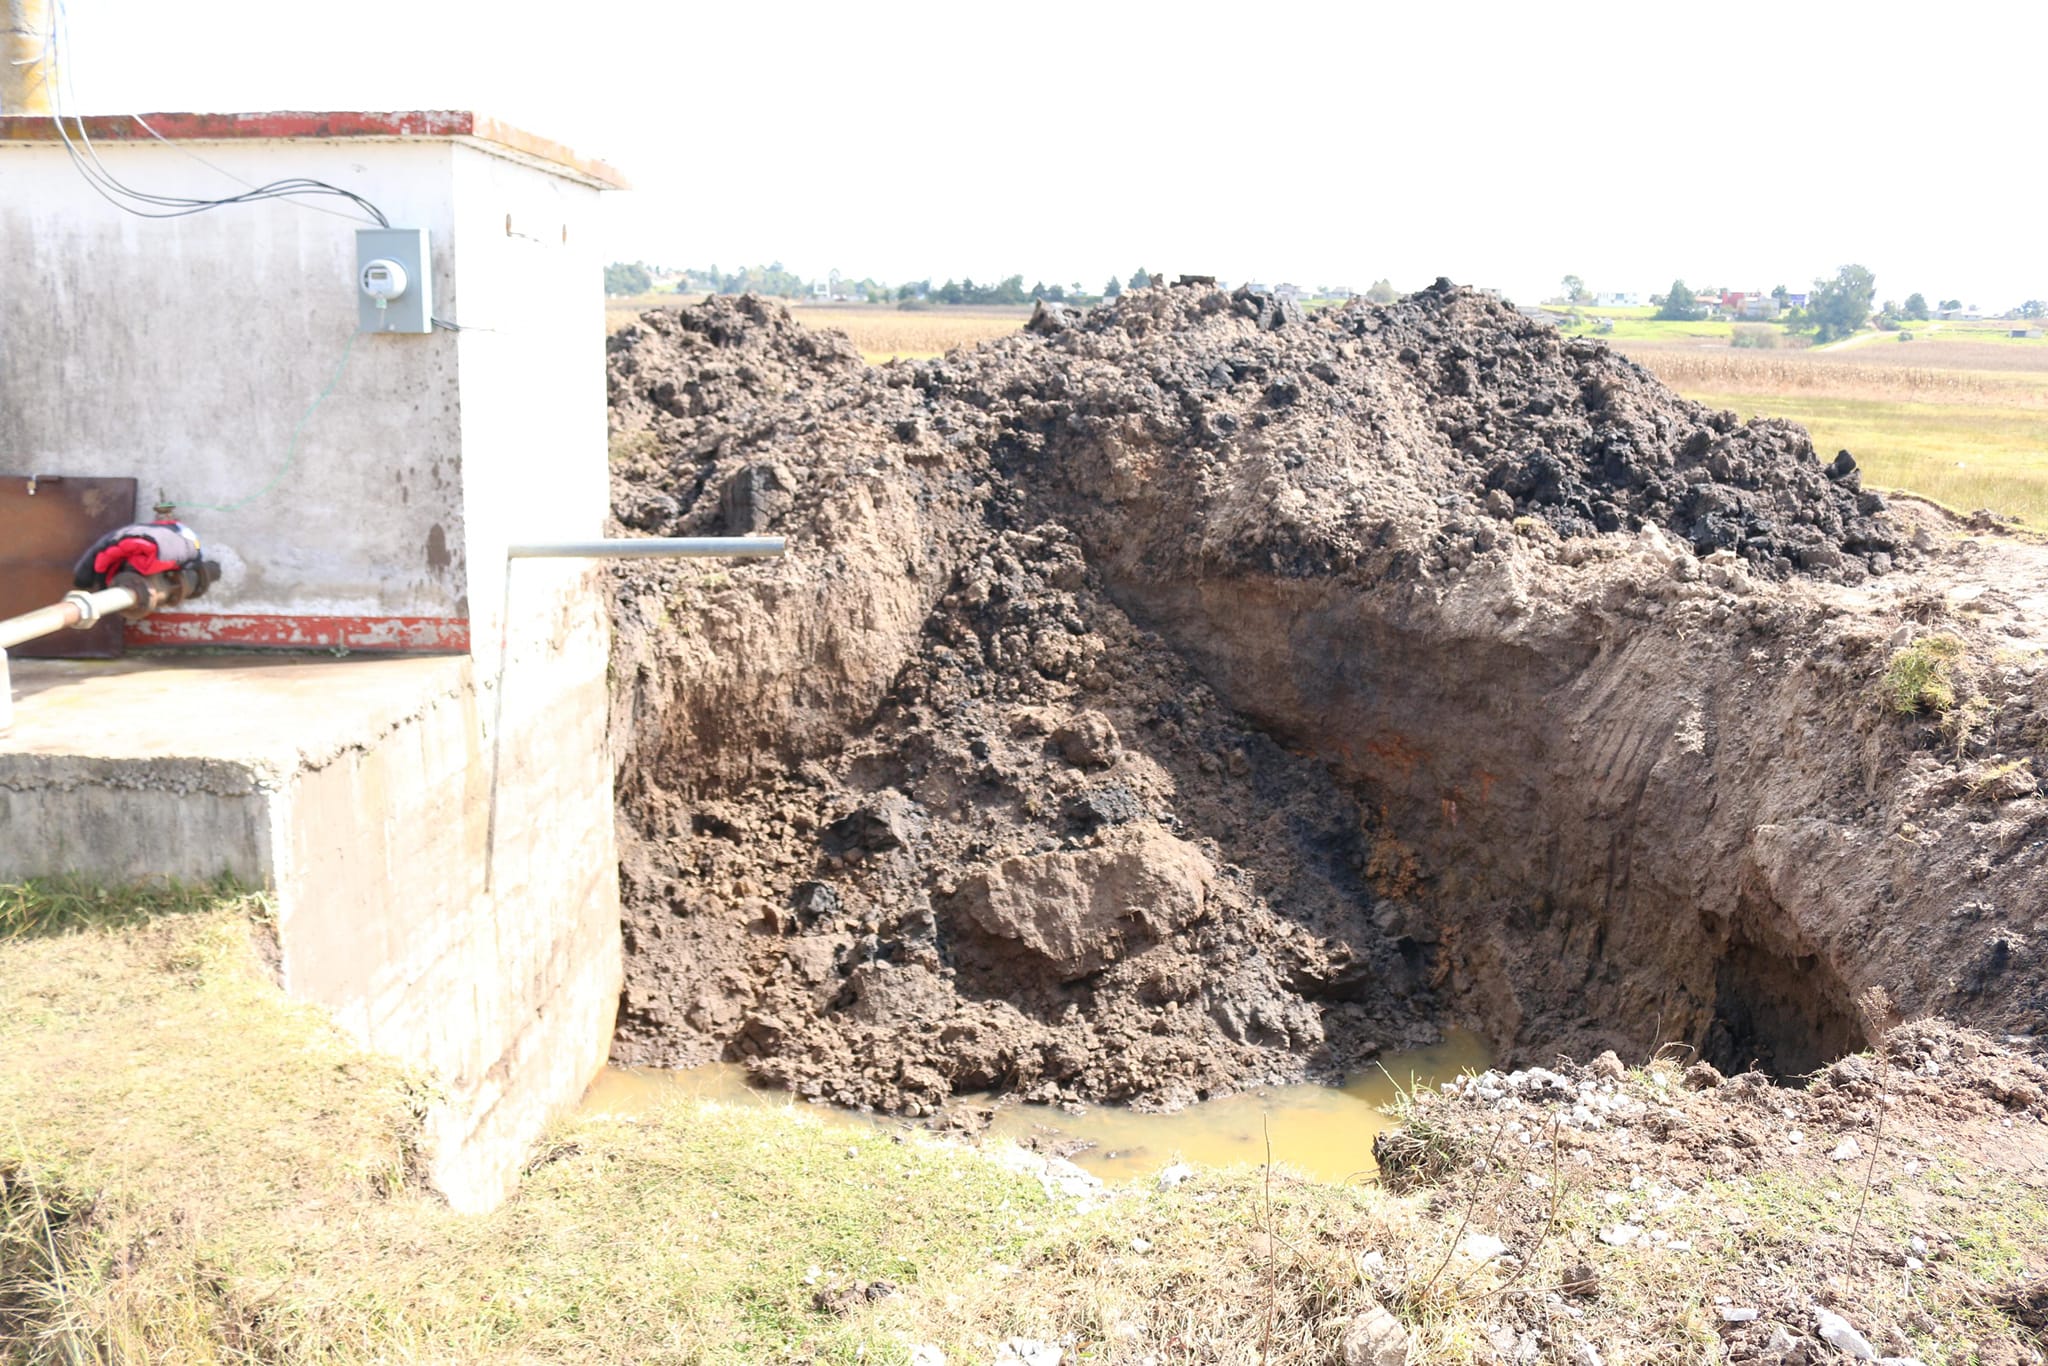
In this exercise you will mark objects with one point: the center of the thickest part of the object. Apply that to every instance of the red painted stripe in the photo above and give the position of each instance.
(406, 123)
(450, 634)
(351, 123)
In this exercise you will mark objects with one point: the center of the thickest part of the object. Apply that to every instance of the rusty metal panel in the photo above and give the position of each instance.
(46, 522)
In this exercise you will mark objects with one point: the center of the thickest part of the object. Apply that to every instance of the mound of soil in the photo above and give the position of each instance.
(1765, 1214)
(1191, 693)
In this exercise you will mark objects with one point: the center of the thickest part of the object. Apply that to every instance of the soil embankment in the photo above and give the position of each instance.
(1190, 694)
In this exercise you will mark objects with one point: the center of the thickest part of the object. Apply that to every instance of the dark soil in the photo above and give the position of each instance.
(1189, 694)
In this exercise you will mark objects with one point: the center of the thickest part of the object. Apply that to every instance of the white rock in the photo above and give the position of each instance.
(1583, 1353)
(1738, 1315)
(1141, 1245)
(1918, 1244)
(1174, 1175)
(924, 1354)
(1620, 1235)
(1027, 1352)
(1128, 1331)
(1836, 1332)
(1796, 1136)
(811, 1275)
(1914, 1264)
(1370, 1262)
(1846, 1150)
(1375, 1338)
(1481, 1247)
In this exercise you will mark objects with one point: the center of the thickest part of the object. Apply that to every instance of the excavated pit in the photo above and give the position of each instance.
(1191, 694)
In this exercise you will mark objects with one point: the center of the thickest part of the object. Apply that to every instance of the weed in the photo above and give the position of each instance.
(59, 905)
(1921, 677)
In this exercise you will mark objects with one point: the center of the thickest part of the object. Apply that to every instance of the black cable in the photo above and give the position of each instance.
(110, 188)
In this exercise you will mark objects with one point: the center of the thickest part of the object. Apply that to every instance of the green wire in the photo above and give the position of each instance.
(292, 450)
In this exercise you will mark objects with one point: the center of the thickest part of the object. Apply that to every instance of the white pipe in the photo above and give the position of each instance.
(75, 609)
(648, 547)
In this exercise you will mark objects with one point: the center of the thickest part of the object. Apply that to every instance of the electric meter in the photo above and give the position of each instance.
(383, 280)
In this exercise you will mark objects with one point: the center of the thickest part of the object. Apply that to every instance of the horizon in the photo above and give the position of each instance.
(1322, 147)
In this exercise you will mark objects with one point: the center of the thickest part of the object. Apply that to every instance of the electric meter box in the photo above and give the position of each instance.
(411, 307)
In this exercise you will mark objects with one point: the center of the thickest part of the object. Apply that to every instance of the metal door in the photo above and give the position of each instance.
(46, 522)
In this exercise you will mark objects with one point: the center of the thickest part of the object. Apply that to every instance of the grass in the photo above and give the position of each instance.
(1921, 677)
(193, 1170)
(196, 1171)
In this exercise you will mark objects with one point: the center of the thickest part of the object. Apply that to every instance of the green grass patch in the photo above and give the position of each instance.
(1964, 456)
(63, 904)
(1921, 677)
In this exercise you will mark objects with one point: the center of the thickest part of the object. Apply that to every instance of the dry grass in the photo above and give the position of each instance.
(885, 334)
(882, 333)
(197, 1172)
(1848, 375)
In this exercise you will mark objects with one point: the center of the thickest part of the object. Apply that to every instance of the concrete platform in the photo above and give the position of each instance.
(147, 767)
(450, 899)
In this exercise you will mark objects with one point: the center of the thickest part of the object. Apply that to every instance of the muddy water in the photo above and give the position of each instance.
(1326, 1131)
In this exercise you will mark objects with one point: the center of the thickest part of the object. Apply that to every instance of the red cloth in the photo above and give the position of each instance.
(138, 553)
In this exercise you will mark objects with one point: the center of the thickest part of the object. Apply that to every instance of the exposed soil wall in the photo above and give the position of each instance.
(1193, 693)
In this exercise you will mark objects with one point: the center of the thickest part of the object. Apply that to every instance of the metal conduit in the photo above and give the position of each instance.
(74, 609)
(650, 547)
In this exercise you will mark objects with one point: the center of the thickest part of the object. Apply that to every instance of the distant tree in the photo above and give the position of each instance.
(2033, 308)
(1783, 296)
(623, 278)
(1113, 288)
(1842, 305)
(1679, 305)
(1141, 280)
(1950, 305)
(1916, 307)
(1574, 290)
(1382, 292)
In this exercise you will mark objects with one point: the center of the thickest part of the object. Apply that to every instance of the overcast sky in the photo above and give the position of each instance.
(1730, 143)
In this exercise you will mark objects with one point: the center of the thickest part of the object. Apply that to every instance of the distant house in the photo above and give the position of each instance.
(1967, 315)
(1288, 294)
(2024, 332)
(1614, 300)
(1798, 300)
(1748, 303)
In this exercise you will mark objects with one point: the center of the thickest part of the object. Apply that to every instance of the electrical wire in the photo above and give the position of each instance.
(126, 197)
(294, 447)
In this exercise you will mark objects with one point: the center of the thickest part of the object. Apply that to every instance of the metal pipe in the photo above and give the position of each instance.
(648, 547)
(74, 610)
(28, 61)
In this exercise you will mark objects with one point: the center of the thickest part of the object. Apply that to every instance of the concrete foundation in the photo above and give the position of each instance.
(435, 890)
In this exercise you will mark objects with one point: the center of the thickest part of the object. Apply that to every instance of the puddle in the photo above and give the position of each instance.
(1326, 1131)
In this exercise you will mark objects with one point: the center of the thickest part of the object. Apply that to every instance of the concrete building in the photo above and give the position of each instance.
(434, 812)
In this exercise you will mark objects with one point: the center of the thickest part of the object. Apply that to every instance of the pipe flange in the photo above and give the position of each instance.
(88, 610)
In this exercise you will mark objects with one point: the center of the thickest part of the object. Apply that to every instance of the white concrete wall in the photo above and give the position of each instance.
(447, 884)
(186, 352)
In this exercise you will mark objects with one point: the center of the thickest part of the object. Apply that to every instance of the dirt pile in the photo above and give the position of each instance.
(1191, 693)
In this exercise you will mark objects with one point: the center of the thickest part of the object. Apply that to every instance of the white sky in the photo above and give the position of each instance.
(1730, 143)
